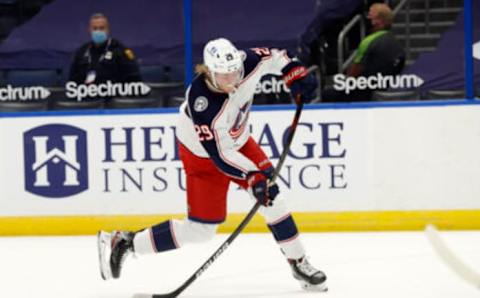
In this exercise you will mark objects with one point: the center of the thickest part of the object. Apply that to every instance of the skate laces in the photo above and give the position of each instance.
(119, 236)
(305, 266)
(116, 238)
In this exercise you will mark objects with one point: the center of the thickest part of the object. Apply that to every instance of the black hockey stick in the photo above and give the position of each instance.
(247, 218)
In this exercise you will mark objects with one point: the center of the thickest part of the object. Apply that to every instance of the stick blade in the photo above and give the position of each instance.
(449, 258)
(142, 295)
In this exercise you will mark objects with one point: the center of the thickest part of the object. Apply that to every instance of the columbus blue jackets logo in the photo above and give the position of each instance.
(241, 121)
(55, 160)
(200, 104)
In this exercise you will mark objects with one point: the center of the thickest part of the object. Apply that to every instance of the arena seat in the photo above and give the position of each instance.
(168, 93)
(23, 106)
(260, 99)
(175, 73)
(132, 103)
(446, 94)
(175, 101)
(394, 95)
(36, 77)
(69, 104)
(272, 99)
(63, 76)
(153, 73)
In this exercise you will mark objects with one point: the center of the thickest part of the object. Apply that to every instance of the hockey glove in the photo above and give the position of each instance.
(264, 194)
(302, 84)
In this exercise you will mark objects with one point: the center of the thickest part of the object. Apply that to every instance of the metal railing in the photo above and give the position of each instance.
(408, 34)
(400, 6)
(342, 65)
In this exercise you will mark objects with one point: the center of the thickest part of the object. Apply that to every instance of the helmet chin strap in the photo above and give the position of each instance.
(242, 73)
(212, 83)
(213, 79)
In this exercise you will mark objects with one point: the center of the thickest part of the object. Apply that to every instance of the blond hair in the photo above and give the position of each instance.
(384, 13)
(202, 69)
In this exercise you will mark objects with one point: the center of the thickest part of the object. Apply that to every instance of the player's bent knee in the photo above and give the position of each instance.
(201, 232)
(276, 211)
(193, 232)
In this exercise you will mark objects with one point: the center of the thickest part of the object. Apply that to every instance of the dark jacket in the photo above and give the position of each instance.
(111, 61)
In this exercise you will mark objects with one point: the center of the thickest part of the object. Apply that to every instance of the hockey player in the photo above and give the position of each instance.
(216, 149)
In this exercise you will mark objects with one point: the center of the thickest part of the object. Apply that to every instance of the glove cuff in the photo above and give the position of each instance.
(254, 177)
(296, 73)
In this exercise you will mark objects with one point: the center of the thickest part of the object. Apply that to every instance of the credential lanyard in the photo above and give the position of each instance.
(88, 53)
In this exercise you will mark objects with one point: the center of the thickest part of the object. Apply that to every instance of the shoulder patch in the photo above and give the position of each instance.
(129, 53)
(200, 104)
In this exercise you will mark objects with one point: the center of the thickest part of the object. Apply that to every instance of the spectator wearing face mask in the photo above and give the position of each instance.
(103, 58)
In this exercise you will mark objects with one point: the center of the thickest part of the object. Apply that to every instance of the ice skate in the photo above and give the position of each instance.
(310, 278)
(113, 248)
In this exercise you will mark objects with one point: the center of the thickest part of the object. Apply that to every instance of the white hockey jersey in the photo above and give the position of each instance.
(213, 125)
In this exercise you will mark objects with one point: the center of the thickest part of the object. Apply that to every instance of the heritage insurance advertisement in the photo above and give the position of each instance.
(129, 164)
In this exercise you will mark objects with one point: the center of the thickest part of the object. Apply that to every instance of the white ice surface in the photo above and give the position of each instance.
(373, 265)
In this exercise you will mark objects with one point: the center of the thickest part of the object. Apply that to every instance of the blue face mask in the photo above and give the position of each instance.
(99, 37)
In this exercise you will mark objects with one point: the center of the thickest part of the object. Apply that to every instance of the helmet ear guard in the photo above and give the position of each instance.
(221, 56)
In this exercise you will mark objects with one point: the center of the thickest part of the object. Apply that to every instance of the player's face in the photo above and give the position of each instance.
(227, 82)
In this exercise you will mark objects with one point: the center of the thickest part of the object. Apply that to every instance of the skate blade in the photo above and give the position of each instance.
(314, 288)
(103, 245)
